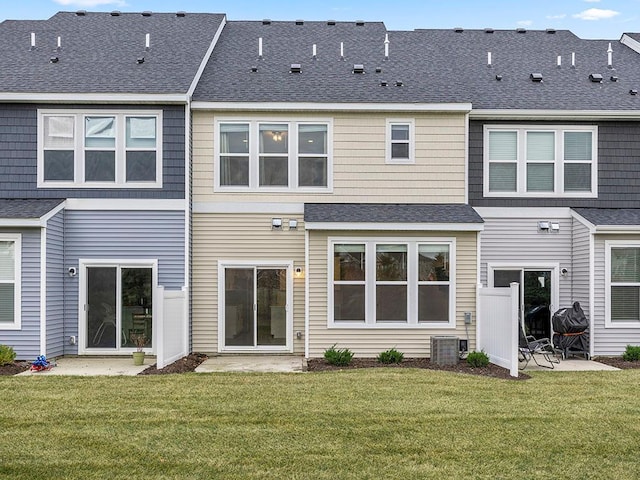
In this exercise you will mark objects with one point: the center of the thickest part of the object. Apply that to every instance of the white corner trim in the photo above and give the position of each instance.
(248, 207)
(124, 204)
(422, 227)
(583, 221)
(43, 292)
(328, 107)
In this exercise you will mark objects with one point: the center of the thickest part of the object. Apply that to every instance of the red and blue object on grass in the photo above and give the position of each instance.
(41, 363)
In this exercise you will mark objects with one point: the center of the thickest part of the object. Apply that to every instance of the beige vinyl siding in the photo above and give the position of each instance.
(359, 168)
(369, 342)
(228, 237)
(612, 340)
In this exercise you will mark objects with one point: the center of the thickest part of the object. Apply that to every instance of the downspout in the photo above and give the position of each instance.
(306, 293)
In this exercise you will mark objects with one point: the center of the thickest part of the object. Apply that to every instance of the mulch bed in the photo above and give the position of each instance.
(617, 362)
(321, 365)
(14, 368)
(183, 365)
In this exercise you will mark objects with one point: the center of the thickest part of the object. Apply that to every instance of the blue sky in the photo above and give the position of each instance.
(604, 19)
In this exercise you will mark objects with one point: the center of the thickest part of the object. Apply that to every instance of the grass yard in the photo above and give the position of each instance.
(377, 423)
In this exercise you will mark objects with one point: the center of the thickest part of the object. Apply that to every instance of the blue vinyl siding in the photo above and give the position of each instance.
(55, 285)
(121, 235)
(26, 341)
(19, 148)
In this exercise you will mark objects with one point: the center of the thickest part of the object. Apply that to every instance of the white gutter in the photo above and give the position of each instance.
(507, 114)
(135, 98)
(333, 107)
(424, 227)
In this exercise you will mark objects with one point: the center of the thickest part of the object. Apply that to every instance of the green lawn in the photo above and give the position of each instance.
(379, 423)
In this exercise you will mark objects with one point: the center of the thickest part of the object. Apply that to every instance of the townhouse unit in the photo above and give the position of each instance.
(329, 194)
(93, 179)
(554, 150)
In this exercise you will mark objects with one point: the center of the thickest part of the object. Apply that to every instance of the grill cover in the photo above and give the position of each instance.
(569, 327)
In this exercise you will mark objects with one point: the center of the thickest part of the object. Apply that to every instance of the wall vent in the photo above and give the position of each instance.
(444, 349)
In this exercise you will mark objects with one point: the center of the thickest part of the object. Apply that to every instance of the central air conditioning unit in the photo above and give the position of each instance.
(444, 349)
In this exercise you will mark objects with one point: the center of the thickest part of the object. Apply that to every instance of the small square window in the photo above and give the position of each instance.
(400, 142)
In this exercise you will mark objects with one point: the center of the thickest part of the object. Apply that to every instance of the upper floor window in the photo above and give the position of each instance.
(256, 155)
(622, 284)
(400, 141)
(10, 252)
(540, 161)
(99, 149)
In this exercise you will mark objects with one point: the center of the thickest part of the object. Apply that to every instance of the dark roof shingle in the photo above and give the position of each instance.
(27, 208)
(389, 213)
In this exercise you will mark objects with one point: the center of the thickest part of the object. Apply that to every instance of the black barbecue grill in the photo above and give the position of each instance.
(570, 331)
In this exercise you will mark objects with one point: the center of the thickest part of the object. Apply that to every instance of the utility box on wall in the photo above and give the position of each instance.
(444, 349)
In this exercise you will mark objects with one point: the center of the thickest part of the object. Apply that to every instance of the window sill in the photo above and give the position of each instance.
(391, 325)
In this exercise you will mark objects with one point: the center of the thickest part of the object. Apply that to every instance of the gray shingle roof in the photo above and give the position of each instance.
(610, 216)
(99, 51)
(27, 208)
(389, 213)
(433, 65)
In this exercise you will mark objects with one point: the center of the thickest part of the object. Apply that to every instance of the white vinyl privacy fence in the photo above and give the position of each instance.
(172, 332)
(497, 324)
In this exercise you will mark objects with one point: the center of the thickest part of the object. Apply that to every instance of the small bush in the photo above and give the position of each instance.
(632, 353)
(390, 356)
(478, 359)
(7, 355)
(338, 356)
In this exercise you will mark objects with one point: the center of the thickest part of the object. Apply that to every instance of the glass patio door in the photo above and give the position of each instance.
(255, 307)
(119, 307)
(535, 297)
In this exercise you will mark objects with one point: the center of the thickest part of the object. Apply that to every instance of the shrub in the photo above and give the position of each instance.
(632, 353)
(478, 359)
(338, 356)
(7, 355)
(390, 356)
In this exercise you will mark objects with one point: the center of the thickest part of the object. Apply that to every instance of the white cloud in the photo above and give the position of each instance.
(525, 23)
(596, 14)
(91, 3)
(557, 17)
(592, 1)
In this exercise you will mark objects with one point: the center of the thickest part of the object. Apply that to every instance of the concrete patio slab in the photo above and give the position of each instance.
(568, 365)
(93, 366)
(251, 363)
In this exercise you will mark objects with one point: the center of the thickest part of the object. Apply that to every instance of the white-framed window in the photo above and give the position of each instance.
(540, 161)
(273, 155)
(391, 282)
(400, 141)
(10, 281)
(99, 149)
(622, 276)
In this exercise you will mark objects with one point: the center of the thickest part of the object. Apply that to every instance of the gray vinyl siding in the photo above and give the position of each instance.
(608, 341)
(26, 341)
(122, 235)
(517, 241)
(618, 168)
(580, 270)
(18, 155)
(55, 285)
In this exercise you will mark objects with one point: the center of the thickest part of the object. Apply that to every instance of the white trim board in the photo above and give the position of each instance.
(99, 98)
(125, 204)
(373, 226)
(247, 207)
(568, 115)
(523, 212)
(328, 107)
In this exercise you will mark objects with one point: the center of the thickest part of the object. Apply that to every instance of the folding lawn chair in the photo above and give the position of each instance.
(529, 346)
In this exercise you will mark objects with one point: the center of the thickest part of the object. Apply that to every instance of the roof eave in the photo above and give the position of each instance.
(377, 226)
(332, 107)
(522, 114)
(121, 98)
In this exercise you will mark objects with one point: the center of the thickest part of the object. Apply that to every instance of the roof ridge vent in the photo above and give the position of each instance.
(458, 29)
(266, 21)
(358, 68)
(359, 23)
(181, 14)
(81, 13)
(595, 77)
(146, 13)
(489, 30)
(536, 77)
(299, 22)
(331, 22)
(115, 13)
(295, 68)
(550, 31)
(521, 30)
